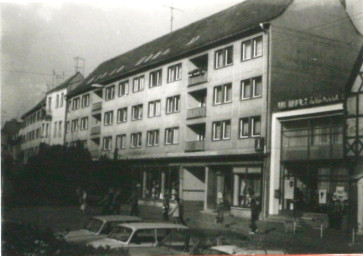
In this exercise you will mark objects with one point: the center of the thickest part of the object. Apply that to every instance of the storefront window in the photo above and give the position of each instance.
(247, 181)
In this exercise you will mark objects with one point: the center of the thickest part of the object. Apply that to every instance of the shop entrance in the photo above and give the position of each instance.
(313, 187)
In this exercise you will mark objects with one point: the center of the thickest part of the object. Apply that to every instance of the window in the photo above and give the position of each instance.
(152, 138)
(174, 73)
(107, 143)
(57, 101)
(138, 84)
(74, 125)
(61, 100)
(76, 103)
(222, 130)
(256, 126)
(252, 48)
(108, 118)
(246, 179)
(122, 115)
(172, 135)
(123, 88)
(224, 57)
(136, 140)
(85, 100)
(84, 123)
(121, 141)
(68, 126)
(250, 127)
(55, 130)
(50, 104)
(173, 104)
(251, 88)
(60, 123)
(110, 93)
(222, 94)
(137, 112)
(154, 108)
(69, 105)
(155, 78)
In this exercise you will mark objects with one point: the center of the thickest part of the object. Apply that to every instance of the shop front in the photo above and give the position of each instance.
(308, 172)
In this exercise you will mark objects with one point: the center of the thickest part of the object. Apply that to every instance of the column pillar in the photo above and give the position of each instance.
(206, 188)
(162, 185)
(235, 190)
(144, 184)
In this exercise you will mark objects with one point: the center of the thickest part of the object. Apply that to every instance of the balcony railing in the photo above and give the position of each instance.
(96, 130)
(197, 77)
(196, 112)
(97, 106)
(191, 146)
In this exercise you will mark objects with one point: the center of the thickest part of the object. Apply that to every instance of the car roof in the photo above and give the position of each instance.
(151, 225)
(117, 218)
(228, 249)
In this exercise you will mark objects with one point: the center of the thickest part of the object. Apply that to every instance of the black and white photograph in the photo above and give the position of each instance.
(181, 127)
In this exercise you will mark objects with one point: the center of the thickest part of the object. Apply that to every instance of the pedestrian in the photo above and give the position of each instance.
(116, 202)
(83, 202)
(106, 202)
(178, 212)
(255, 212)
(134, 202)
(166, 207)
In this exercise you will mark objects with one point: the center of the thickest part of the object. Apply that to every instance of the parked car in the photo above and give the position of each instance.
(98, 227)
(235, 250)
(144, 238)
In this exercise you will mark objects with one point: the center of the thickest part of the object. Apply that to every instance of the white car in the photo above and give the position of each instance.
(139, 238)
(235, 250)
(98, 227)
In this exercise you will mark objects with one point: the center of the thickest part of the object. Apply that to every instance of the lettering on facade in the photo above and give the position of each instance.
(307, 102)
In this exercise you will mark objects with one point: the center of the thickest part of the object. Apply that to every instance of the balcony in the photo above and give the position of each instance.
(196, 112)
(191, 146)
(95, 130)
(96, 107)
(197, 77)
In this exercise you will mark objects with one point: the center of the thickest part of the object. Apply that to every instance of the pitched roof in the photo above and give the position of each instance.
(237, 19)
(66, 83)
(35, 108)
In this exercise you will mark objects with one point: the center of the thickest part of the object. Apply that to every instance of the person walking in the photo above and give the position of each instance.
(134, 202)
(255, 212)
(166, 207)
(116, 202)
(83, 202)
(178, 212)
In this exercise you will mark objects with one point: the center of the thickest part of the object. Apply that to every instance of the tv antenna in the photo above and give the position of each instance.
(172, 8)
(79, 64)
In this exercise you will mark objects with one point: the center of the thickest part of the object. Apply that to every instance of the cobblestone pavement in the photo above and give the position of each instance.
(306, 239)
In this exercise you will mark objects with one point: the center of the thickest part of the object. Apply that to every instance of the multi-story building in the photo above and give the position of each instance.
(56, 108)
(10, 140)
(44, 124)
(211, 111)
(35, 130)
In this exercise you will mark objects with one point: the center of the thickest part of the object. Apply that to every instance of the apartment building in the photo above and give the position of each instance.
(35, 130)
(56, 108)
(198, 112)
(10, 140)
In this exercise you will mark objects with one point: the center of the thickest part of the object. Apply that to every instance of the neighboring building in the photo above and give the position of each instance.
(354, 141)
(56, 108)
(190, 112)
(10, 140)
(35, 130)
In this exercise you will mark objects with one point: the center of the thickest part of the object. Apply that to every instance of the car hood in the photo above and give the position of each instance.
(106, 242)
(77, 235)
(235, 250)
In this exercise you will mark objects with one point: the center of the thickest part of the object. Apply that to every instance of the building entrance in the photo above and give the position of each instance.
(313, 187)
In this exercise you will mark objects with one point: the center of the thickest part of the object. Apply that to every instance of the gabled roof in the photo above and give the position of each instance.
(73, 79)
(35, 108)
(237, 19)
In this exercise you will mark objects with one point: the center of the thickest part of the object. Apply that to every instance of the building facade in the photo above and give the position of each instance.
(215, 114)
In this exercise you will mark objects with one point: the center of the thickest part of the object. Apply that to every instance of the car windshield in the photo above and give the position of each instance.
(120, 233)
(93, 225)
(177, 239)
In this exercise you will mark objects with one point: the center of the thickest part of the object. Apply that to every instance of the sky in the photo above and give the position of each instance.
(39, 38)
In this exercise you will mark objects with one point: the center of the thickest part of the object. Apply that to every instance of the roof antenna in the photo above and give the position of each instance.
(172, 8)
(79, 64)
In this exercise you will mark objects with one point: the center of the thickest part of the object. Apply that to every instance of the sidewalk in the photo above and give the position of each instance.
(271, 235)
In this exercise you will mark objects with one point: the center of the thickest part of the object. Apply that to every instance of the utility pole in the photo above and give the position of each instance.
(172, 8)
(80, 63)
